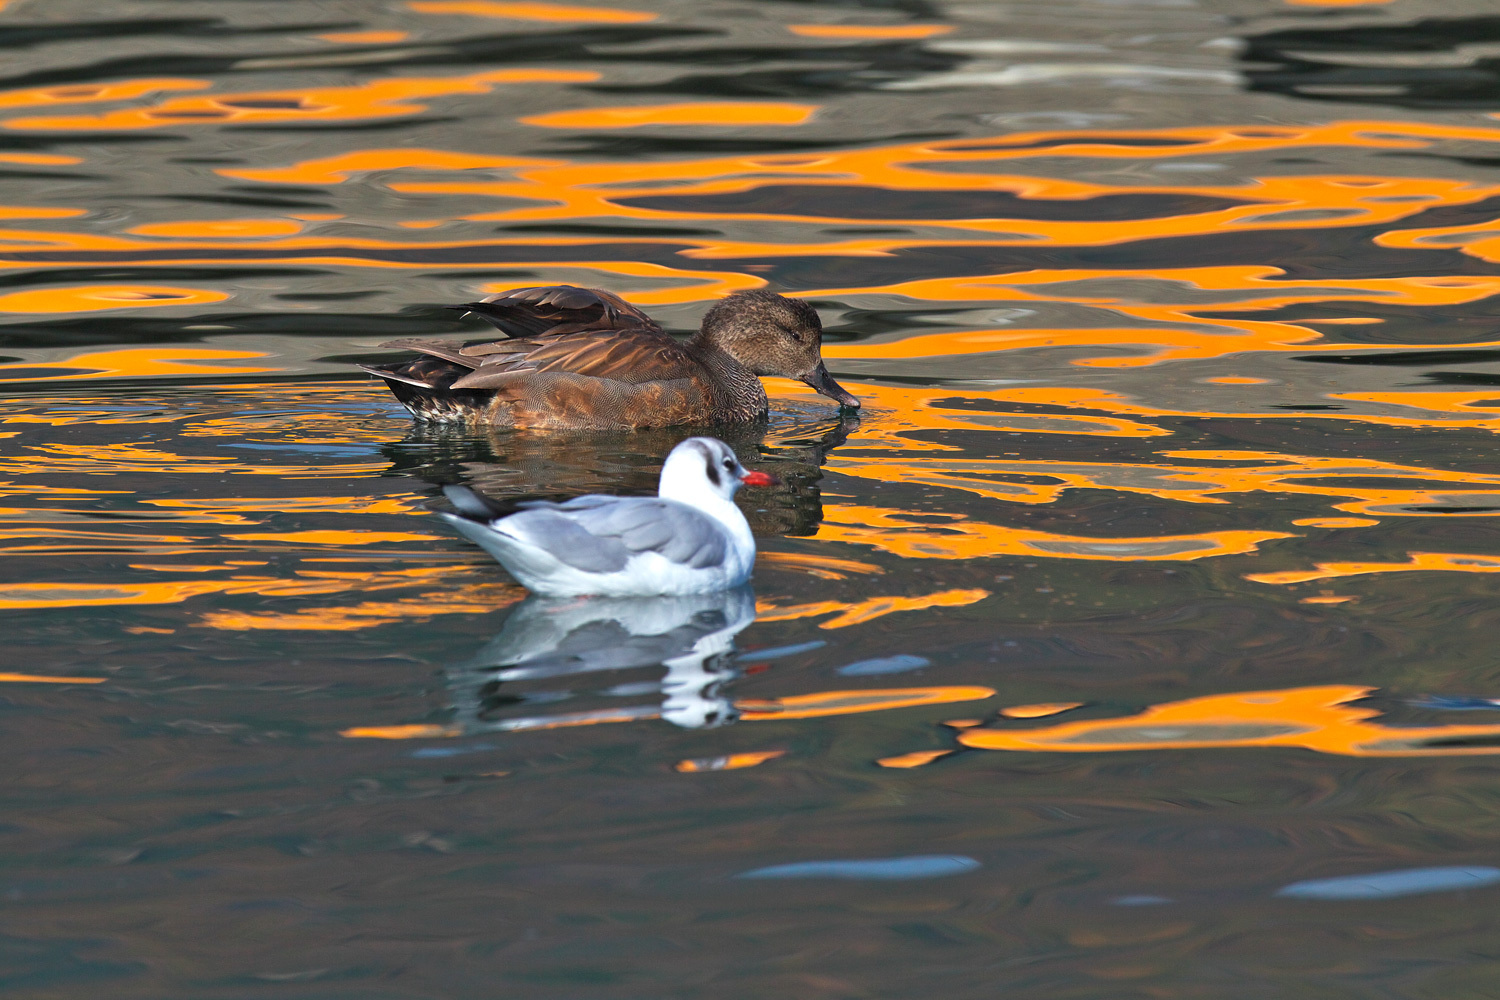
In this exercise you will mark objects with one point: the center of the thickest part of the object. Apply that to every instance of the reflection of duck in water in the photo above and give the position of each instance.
(688, 539)
(511, 466)
(580, 358)
(550, 639)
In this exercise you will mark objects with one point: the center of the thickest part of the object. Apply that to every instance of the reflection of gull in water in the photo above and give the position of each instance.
(547, 639)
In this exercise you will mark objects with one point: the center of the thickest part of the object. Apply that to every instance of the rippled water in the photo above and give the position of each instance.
(1136, 641)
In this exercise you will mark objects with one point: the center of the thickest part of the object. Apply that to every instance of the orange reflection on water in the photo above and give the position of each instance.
(42, 159)
(916, 758)
(563, 190)
(93, 298)
(44, 679)
(1277, 203)
(141, 362)
(1035, 711)
(232, 510)
(896, 411)
(411, 732)
(366, 37)
(82, 595)
(1232, 472)
(568, 190)
(702, 113)
(1456, 562)
(826, 567)
(338, 538)
(825, 703)
(892, 413)
(869, 31)
(93, 93)
(1168, 330)
(72, 459)
(959, 538)
(337, 169)
(382, 98)
(226, 229)
(731, 762)
(1312, 718)
(303, 583)
(33, 212)
(862, 611)
(474, 599)
(531, 11)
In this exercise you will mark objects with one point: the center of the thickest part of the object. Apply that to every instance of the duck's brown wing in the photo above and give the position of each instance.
(558, 309)
(633, 356)
(551, 328)
(598, 362)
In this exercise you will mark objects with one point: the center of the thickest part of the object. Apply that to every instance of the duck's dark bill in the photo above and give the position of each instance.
(820, 380)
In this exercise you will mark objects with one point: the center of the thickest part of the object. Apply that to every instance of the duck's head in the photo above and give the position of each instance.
(702, 465)
(774, 335)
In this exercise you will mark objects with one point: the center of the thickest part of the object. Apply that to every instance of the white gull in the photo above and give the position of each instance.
(688, 539)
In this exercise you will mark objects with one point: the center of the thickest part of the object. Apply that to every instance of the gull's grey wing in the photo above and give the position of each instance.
(564, 538)
(600, 534)
(676, 531)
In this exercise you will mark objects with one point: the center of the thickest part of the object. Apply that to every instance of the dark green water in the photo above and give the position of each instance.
(1136, 641)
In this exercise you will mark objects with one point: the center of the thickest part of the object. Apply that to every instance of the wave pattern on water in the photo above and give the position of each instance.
(1181, 375)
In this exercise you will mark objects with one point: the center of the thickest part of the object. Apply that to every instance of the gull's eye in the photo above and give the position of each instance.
(729, 464)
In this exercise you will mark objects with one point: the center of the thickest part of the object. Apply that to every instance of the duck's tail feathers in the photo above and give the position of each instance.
(393, 373)
(424, 386)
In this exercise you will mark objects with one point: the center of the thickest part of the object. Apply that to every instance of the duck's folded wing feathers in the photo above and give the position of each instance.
(600, 534)
(633, 356)
(556, 309)
(445, 349)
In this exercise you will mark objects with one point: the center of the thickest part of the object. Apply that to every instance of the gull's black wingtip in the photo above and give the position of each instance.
(472, 505)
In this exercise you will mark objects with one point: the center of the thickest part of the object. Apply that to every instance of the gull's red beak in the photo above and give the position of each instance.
(757, 478)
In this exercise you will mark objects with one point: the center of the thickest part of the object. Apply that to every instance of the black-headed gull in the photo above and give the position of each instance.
(688, 539)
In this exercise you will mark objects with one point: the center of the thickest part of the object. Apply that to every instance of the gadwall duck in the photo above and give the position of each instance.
(688, 539)
(584, 358)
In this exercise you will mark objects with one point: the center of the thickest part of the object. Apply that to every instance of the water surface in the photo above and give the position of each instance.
(1135, 641)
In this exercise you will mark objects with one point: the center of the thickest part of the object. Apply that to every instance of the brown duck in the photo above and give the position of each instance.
(583, 358)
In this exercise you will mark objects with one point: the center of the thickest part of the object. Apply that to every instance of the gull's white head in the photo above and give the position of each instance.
(703, 467)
